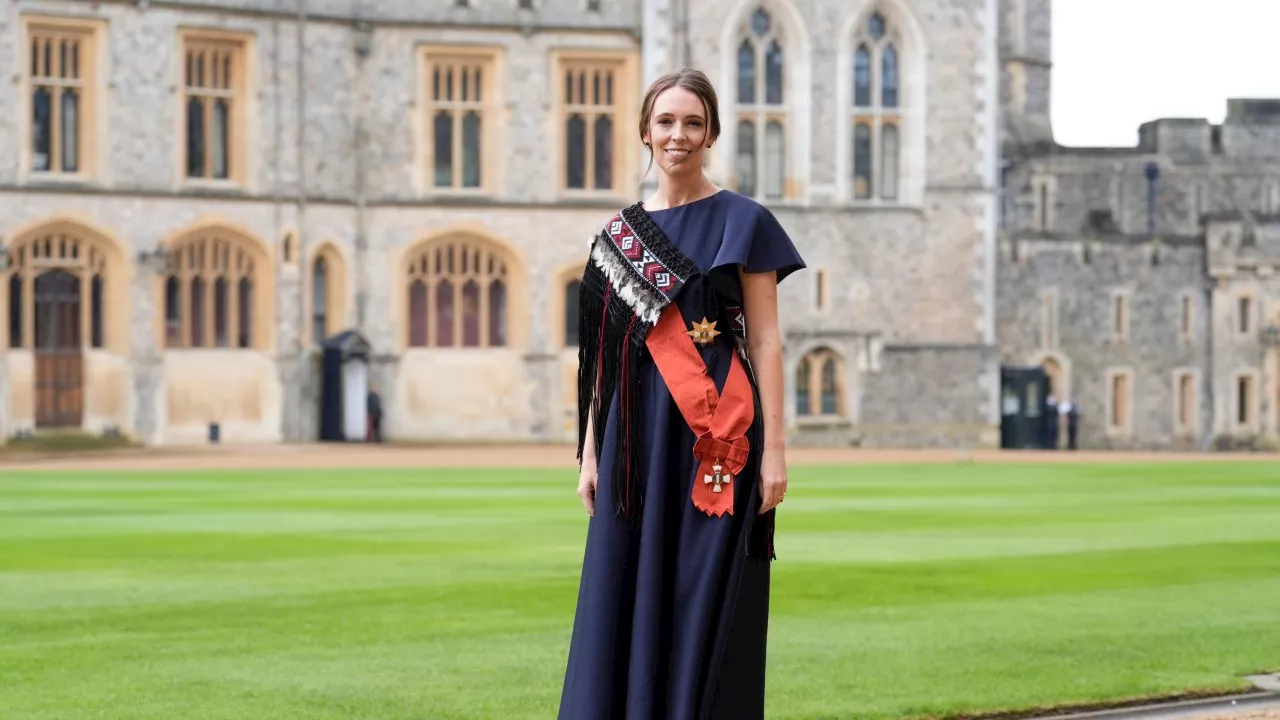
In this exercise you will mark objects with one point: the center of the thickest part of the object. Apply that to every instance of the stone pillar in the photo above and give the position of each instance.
(145, 420)
(1223, 393)
(291, 357)
(542, 370)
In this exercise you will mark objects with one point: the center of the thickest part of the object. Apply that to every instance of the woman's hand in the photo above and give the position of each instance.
(587, 485)
(773, 479)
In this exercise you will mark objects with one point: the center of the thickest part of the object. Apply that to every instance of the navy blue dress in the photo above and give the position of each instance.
(672, 617)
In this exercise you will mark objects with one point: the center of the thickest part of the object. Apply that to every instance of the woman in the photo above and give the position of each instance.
(681, 436)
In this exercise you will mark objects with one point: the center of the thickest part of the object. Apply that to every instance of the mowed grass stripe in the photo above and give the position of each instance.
(900, 591)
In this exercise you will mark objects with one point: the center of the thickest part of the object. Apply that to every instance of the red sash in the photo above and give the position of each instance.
(719, 422)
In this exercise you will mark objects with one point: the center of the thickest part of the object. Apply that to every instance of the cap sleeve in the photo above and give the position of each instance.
(756, 240)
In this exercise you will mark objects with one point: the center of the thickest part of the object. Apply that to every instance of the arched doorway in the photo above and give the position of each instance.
(1057, 393)
(59, 359)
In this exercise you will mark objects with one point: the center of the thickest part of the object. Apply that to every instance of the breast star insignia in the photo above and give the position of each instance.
(703, 332)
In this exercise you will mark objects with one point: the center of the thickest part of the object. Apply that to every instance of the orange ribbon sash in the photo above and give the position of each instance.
(719, 421)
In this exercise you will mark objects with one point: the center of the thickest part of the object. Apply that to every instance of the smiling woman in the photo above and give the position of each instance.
(680, 411)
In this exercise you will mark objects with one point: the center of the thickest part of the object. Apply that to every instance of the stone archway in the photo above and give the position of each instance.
(66, 299)
(1058, 376)
(1053, 371)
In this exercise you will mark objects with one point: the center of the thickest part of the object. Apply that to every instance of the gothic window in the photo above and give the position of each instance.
(1185, 414)
(803, 401)
(877, 113)
(213, 92)
(1186, 324)
(572, 291)
(319, 299)
(82, 261)
(60, 71)
(819, 388)
(209, 293)
(762, 116)
(460, 93)
(1119, 401)
(1120, 317)
(457, 293)
(1244, 314)
(1271, 199)
(1245, 410)
(591, 122)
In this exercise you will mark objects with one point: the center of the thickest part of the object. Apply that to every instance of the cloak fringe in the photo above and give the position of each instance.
(617, 308)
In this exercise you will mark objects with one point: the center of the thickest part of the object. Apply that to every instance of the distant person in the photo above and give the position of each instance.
(685, 438)
(1072, 410)
(375, 415)
(1051, 422)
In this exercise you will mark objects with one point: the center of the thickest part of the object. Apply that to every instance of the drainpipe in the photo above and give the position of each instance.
(1153, 174)
(299, 139)
(362, 48)
(1209, 381)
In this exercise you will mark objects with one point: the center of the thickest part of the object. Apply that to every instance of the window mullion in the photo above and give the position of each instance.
(206, 108)
(433, 322)
(184, 309)
(482, 307)
(55, 128)
(455, 129)
(590, 181)
(209, 333)
(233, 309)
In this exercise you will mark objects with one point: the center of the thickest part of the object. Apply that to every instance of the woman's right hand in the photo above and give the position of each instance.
(587, 485)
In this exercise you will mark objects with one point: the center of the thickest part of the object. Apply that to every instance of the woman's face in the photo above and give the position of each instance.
(678, 132)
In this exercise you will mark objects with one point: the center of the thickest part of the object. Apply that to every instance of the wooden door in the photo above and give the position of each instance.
(58, 355)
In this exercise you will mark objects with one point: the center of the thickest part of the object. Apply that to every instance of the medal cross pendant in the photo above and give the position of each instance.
(717, 477)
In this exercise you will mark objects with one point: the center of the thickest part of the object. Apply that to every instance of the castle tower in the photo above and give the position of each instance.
(1026, 61)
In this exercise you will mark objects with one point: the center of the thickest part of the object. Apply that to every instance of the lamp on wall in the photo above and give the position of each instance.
(157, 260)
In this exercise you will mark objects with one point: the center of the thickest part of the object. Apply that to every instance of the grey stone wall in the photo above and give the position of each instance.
(929, 396)
(1085, 281)
(10, 37)
(913, 275)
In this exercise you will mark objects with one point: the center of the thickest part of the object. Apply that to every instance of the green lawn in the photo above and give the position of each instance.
(899, 591)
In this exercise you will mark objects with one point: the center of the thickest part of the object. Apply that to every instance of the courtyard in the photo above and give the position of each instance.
(398, 583)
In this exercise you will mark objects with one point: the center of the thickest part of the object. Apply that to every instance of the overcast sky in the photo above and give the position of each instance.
(1119, 63)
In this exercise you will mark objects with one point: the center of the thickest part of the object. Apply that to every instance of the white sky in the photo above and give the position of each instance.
(1119, 63)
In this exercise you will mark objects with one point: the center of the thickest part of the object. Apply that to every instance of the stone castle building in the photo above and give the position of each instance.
(194, 195)
(1143, 279)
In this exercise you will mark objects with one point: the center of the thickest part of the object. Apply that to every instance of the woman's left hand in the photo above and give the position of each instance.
(773, 479)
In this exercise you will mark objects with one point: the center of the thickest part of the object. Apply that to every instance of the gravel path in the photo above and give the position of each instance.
(329, 455)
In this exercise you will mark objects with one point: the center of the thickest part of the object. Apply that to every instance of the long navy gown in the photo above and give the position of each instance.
(672, 617)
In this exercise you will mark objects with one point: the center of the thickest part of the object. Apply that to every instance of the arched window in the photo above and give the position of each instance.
(84, 262)
(877, 109)
(209, 293)
(803, 371)
(457, 292)
(762, 116)
(819, 387)
(326, 296)
(319, 300)
(572, 290)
